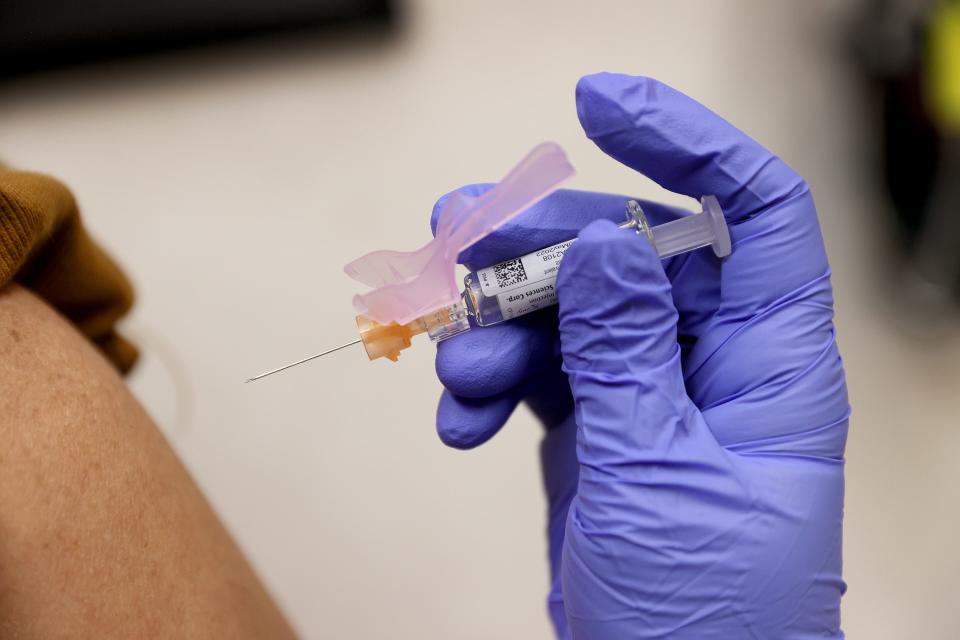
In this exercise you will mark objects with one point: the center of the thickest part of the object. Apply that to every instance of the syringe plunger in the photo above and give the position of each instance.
(706, 229)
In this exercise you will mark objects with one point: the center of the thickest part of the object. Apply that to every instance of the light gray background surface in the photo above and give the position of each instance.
(234, 185)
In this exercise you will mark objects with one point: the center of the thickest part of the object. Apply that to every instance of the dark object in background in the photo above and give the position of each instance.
(919, 163)
(41, 34)
(890, 38)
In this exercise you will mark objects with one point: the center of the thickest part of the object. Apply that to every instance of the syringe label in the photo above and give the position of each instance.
(524, 272)
(523, 300)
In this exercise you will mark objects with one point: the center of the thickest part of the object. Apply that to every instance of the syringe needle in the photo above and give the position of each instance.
(293, 364)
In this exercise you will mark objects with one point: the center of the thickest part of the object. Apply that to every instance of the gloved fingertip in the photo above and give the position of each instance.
(600, 100)
(465, 423)
(680, 144)
(602, 241)
(598, 231)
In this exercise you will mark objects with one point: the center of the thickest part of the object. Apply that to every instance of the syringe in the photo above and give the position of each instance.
(522, 285)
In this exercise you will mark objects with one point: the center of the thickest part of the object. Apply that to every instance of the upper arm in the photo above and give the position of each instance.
(102, 531)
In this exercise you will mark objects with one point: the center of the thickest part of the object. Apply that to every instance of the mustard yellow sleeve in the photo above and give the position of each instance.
(44, 247)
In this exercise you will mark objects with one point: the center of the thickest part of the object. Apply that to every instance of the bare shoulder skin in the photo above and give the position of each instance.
(103, 534)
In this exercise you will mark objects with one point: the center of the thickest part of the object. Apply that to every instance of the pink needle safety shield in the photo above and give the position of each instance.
(410, 284)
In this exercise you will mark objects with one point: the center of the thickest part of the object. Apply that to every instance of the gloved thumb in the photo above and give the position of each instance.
(618, 336)
(645, 453)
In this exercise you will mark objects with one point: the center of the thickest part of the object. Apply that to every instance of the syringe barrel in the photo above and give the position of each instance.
(514, 287)
(522, 285)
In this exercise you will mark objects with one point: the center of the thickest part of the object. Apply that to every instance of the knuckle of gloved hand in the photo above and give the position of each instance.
(535, 228)
(513, 239)
(469, 190)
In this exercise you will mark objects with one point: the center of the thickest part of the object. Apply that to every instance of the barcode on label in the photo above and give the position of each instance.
(509, 273)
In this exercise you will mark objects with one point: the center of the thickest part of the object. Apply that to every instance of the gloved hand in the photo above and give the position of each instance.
(696, 410)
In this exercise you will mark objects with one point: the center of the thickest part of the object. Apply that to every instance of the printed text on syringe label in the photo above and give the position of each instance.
(522, 300)
(522, 271)
(526, 283)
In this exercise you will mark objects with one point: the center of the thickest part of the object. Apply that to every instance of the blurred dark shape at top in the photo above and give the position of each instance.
(907, 53)
(43, 34)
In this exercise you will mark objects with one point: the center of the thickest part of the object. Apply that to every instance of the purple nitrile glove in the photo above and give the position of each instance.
(696, 409)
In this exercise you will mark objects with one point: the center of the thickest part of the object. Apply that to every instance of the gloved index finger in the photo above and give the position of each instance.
(688, 149)
(556, 218)
(682, 145)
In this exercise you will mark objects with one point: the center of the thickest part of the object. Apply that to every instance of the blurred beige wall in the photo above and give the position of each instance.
(234, 185)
